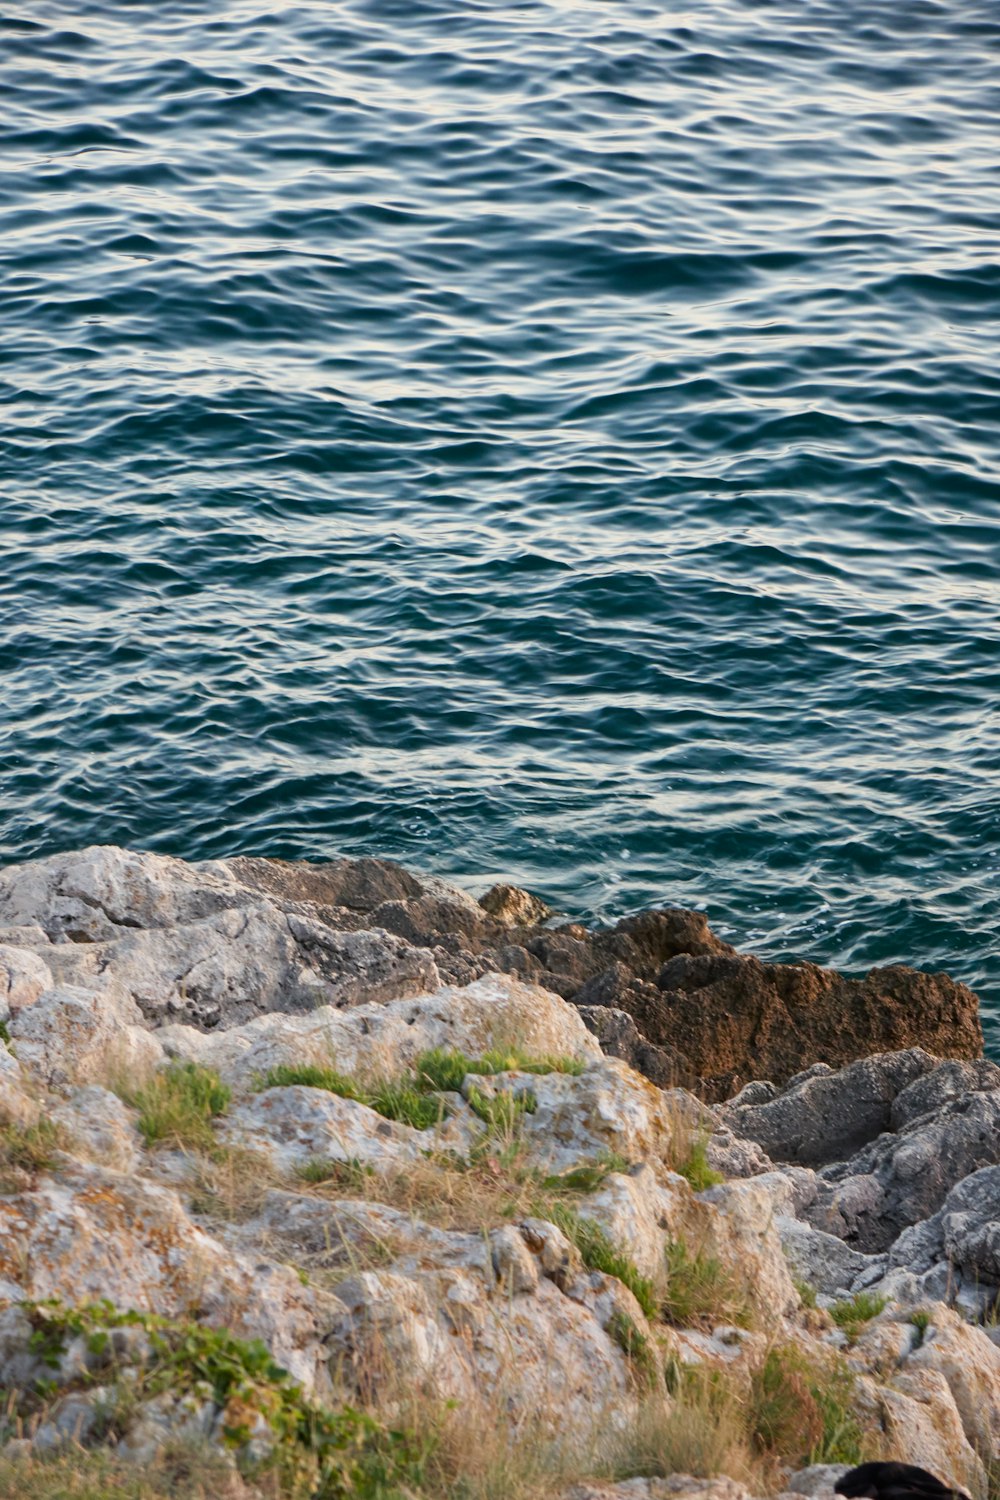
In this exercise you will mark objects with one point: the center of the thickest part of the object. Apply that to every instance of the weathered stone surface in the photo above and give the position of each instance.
(24, 976)
(16, 1106)
(817, 1480)
(73, 1036)
(514, 907)
(674, 1487)
(96, 1124)
(931, 1090)
(619, 1037)
(821, 1260)
(95, 1233)
(387, 1038)
(901, 1179)
(489, 1317)
(736, 1018)
(918, 1415)
(295, 1125)
(827, 1116)
(970, 1363)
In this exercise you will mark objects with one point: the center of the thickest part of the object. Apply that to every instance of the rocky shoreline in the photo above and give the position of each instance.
(414, 1141)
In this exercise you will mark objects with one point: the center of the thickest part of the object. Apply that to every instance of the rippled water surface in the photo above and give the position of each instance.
(553, 440)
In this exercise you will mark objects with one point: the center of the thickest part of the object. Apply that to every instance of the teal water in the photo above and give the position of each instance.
(554, 441)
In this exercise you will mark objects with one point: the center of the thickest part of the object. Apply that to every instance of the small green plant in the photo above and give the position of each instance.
(701, 1291)
(588, 1177)
(404, 1102)
(806, 1291)
(514, 1060)
(599, 1253)
(4, 1034)
(921, 1320)
(636, 1346)
(447, 1070)
(311, 1076)
(178, 1104)
(441, 1071)
(502, 1113)
(696, 1169)
(330, 1455)
(852, 1314)
(801, 1410)
(26, 1150)
(350, 1176)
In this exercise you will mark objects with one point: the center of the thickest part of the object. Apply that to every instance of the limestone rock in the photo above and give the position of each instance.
(901, 1179)
(23, 977)
(387, 1038)
(73, 1035)
(296, 1125)
(827, 1116)
(674, 1487)
(98, 1234)
(822, 1260)
(98, 1125)
(922, 1426)
(970, 1362)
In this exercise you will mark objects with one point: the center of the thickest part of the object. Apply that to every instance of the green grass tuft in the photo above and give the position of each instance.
(636, 1346)
(599, 1253)
(502, 1114)
(806, 1291)
(802, 1410)
(178, 1104)
(26, 1150)
(350, 1175)
(696, 1169)
(310, 1076)
(701, 1291)
(852, 1314)
(404, 1102)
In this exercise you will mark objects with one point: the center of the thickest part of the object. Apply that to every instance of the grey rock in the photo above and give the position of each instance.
(901, 1179)
(620, 1037)
(72, 1420)
(820, 1259)
(949, 1080)
(818, 1479)
(826, 1116)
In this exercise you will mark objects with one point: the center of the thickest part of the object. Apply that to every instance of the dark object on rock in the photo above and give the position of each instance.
(877, 1481)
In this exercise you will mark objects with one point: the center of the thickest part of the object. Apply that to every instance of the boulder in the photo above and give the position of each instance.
(94, 1234)
(735, 1018)
(902, 1179)
(388, 1038)
(825, 1116)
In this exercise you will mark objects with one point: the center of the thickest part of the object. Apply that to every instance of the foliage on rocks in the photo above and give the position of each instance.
(26, 1150)
(178, 1104)
(700, 1290)
(319, 1452)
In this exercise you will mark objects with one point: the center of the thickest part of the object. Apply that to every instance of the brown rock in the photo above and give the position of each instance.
(513, 907)
(735, 1018)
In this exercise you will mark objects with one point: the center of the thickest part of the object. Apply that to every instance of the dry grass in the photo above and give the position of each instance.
(231, 1182)
(28, 1150)
(178, 1474)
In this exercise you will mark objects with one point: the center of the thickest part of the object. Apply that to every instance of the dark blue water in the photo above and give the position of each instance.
(556, 441)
